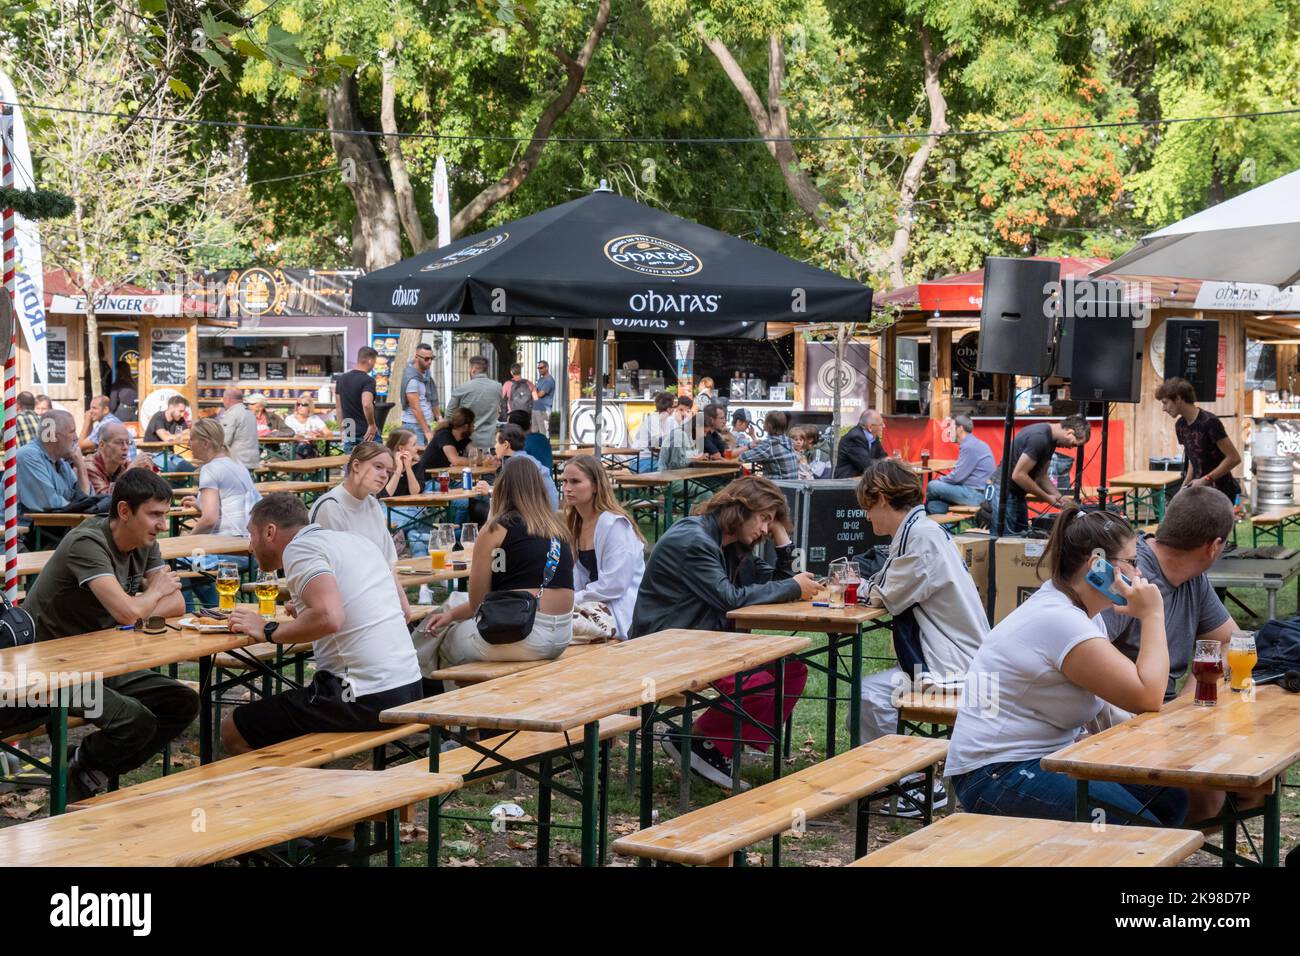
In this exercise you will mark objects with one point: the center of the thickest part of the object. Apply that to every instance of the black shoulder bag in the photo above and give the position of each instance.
(506, 617)
(16, 626)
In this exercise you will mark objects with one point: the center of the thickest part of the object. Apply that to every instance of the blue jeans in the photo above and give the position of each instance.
(940, 494)
(1017, 513)
(417, 534)
(170, 461)
(1025, 789)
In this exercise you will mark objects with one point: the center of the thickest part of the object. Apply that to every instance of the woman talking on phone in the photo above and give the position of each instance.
(1045, 672)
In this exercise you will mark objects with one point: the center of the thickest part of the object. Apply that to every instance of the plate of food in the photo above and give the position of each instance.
(206, 620)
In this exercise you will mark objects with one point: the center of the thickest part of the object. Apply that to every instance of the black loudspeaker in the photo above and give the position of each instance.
(1192, 352)
(1100, 350)
(1017, 331)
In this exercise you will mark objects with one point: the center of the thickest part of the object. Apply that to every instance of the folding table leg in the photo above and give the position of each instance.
(544, 815)
(832, 692)
(435, 804)
(1273, 825)
(602, 829)
(855, 690)
(590, 759)
(647, 769)
(59, 756)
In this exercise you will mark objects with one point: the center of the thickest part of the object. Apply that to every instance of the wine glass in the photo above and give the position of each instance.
(468, 535)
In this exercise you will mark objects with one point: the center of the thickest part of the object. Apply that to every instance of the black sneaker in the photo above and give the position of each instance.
(83, 782)
(917, 793)
(706, 760)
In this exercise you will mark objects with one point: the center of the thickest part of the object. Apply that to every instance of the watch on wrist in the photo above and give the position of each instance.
(268, 631)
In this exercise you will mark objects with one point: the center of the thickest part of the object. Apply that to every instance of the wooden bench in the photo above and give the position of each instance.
(921, 708)
(241, 813)
(309, 750)
(709, 837)
(976, 839)
(1273, 522)
(73, 721)
(476, 672)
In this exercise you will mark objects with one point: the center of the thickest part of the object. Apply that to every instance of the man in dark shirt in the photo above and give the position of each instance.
(354, 400)
(1208, 452)
(715, 421)
(1031, 454)
(861, 445)
(109, 572)
(166, 424)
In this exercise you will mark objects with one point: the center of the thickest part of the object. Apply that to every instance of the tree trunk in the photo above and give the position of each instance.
(403, 192)
(88, 290)
(372, 193)
(514, 176)
(911, 185)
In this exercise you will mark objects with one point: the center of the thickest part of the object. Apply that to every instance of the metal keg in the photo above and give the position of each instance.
(1275, 481)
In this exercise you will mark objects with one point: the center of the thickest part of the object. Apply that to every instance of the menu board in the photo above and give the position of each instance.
(168, 357)
(250, 370)
(385, 344)
(277, 371)
(223, 371)
(56, 354)
(721, 358)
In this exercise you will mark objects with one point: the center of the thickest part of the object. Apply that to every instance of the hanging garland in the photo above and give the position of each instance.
(36, 205)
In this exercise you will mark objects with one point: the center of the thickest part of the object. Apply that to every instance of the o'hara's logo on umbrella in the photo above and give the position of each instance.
(469, 252)
(652, 257)
(652, 301)
(405, 296)
(640, 323)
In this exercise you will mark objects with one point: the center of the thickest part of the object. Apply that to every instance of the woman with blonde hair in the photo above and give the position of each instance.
(226, 496)
(610, 549)
(523, 547)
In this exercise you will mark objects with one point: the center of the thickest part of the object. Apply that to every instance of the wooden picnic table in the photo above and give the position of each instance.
(731, 463)
(413, 572)
(303, 466)
(157, 445)
(1148, 486)
(244, 812)
(65, 663)
(979, 839)
(579, 691)
(697, 474)
(174, 548)
(434, 501)
(846, 625)
(273, 487)
(1238, 746)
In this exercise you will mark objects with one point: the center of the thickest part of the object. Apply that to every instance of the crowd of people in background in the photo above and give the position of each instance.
(1068, 660)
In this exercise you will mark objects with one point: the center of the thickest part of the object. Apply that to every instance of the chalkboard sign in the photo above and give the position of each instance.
(56, 354)
(720, 359)
(223, 371)
(169, 356)
(250, 370)
(1261, 366)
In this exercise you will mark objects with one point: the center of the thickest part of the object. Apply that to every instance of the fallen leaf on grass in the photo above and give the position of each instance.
(23, 812)
(623, 829)
(830, 861)
(461, 861)
(516, 844)
(412, 832)
(570, 856)
(461, 847)
(753, 859)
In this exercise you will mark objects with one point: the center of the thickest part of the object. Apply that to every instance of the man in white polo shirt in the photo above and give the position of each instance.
(348, 608)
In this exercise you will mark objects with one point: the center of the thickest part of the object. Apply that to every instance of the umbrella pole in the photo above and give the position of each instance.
(600, 384)
(564, 394)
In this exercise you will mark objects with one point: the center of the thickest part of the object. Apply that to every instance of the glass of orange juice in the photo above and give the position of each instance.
(439, 546)
(1242, 658)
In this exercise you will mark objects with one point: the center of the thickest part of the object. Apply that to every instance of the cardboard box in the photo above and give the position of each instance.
(974, 551)
(1016, 573)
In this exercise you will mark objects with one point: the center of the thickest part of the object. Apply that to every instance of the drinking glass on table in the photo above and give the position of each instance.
(468, 535)
(439, 547)
(852, 580)
(227, 584)
(835, 576)
(1207, 669)
(267, 589)
(1242, 657)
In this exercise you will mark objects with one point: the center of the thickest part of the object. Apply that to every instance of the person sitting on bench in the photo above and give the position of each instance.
(345, 604)
(106, 572)
(1048, 669)
(701, 568)
(939, 620)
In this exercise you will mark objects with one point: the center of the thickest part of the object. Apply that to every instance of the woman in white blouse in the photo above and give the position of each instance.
(609, 551)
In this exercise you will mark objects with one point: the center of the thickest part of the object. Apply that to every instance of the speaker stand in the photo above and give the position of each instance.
(999, 520)
(1102, 501)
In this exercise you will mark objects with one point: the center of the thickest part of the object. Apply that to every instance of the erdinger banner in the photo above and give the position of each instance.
(609, 259)
(29, 274)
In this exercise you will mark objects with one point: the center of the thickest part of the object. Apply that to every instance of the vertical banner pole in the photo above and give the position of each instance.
(11, 377)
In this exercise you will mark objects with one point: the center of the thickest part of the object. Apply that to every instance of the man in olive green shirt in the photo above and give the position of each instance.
(109, 572)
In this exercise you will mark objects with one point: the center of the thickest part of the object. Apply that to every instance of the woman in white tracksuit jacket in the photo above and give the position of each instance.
(608, 550)
(924, 572)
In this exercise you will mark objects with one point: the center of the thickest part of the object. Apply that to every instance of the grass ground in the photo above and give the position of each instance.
(826, 842)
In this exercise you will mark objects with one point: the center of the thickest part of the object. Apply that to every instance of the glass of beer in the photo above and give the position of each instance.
(227, 584)
(1242, 658)
(267, 589)
(1207, 669)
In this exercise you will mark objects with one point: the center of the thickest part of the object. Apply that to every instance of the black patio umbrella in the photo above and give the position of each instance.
(606, 259)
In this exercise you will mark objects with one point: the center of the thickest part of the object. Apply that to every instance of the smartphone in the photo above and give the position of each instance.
(1102, 577)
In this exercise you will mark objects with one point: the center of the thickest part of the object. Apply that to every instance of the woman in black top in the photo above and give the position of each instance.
(446, 449)
(408, 476)
(530, 536)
